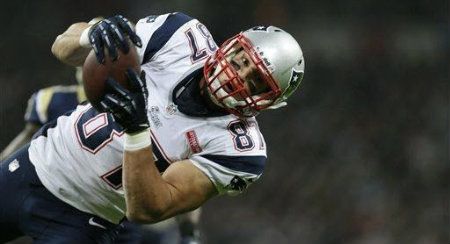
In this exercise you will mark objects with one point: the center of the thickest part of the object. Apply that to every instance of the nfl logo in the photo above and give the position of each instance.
(13, 166)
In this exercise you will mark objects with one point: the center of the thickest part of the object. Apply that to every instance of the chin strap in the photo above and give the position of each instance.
(231, 102)
(278, 105)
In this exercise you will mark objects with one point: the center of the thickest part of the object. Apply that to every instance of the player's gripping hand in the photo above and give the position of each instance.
(128, 107)
(112, 33)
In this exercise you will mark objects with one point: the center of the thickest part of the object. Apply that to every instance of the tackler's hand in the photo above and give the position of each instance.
(128, 107)
(113, 34)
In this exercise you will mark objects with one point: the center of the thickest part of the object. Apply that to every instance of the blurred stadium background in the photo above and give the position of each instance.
(361, 155)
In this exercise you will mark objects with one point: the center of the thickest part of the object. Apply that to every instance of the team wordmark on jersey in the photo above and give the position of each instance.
(154, 116)
(193, 141)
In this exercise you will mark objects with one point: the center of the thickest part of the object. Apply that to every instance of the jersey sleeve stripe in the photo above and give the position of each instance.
(249, 164)
(162, 35)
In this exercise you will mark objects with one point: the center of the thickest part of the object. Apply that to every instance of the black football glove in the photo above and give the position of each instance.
(112, 33)
(128, 107)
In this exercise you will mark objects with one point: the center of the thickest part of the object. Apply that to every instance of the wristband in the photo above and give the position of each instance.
(84, 38)
(134, 142)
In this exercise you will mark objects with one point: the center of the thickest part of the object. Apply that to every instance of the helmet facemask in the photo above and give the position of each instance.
(228, 90)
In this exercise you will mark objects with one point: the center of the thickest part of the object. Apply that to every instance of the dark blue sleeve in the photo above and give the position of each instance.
(249, 164)
(162, 35)
(61, 103)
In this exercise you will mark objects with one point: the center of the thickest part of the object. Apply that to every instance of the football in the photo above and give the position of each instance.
(95, 73)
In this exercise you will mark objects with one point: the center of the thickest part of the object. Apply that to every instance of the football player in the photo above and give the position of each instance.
(184, 132)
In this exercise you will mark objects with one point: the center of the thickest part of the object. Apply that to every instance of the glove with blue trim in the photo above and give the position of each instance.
(113, 34)
(128, 107)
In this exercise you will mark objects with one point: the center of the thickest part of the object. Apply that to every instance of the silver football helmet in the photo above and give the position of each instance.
(279, 63)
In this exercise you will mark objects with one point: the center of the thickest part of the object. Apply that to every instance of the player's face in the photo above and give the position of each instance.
(238, 79)
(247, 71)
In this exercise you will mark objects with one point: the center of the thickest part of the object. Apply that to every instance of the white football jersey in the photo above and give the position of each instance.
(79, 156)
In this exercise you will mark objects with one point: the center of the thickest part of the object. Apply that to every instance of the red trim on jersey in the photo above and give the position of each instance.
(106, 142)
(159, 147)
(118, 169)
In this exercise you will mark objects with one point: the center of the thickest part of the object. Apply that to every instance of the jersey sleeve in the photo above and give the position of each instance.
(156, 30)
(230, 174)
(233, 161)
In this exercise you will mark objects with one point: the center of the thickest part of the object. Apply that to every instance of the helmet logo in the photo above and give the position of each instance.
(268, 64)
(260, 28)
(296, 76)
(294, 81)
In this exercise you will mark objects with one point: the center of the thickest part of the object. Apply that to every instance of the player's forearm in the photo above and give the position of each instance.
(67, 48)
(147, 195)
